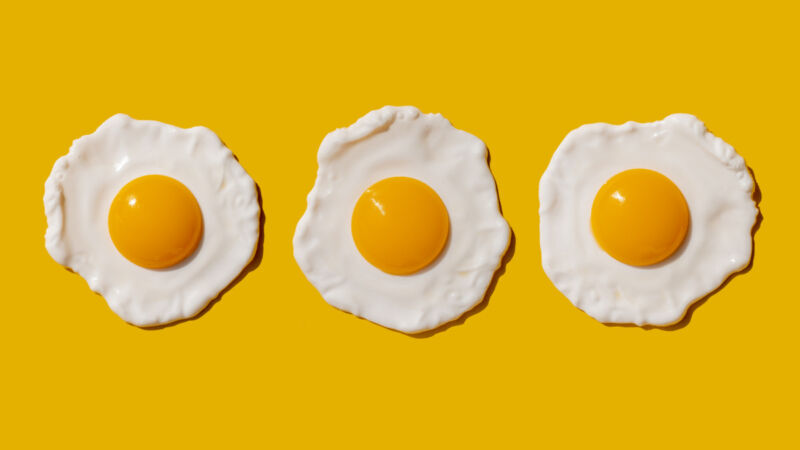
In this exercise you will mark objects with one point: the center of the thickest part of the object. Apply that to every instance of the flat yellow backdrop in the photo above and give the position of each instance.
(271, 364)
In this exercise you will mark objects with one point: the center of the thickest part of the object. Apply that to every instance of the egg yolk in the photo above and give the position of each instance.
(639, 217)
(400, 225)
(155, 222)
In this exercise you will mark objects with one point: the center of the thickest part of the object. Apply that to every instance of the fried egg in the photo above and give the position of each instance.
(157, 219)
(403, 226)
(638, 221)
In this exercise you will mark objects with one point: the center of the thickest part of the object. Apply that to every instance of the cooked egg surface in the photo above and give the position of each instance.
(430, 255)
(155, 221)
(639, 217)
(156, 218)
(638, 221)
(400, 225)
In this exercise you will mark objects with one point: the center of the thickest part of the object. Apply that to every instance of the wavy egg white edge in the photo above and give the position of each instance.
(107, 159)
(425, 143)
(588, 276)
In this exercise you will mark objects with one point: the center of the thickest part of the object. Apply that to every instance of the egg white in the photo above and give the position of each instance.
(83, 183)
(718, 189)
(401, 141)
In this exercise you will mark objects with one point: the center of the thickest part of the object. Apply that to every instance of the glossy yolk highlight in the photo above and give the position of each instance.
(640, 217)
(400, 225)
(155, 222)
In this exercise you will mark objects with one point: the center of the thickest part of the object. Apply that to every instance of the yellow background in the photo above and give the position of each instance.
(271, 364)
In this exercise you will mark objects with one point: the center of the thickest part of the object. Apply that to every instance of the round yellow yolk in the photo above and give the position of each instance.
(639, 217)
(400, 225)
(155, 222)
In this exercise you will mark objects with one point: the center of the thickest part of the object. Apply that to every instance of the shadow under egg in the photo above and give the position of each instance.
(689, 312)
(251, 266)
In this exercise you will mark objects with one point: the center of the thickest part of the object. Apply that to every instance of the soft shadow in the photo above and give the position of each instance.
(251, 266)
(512, 244)
(687, 317)
(483, 303)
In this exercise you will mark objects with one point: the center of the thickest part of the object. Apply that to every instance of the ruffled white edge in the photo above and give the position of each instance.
(584, 297)
(335, 287)
(180, 305)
